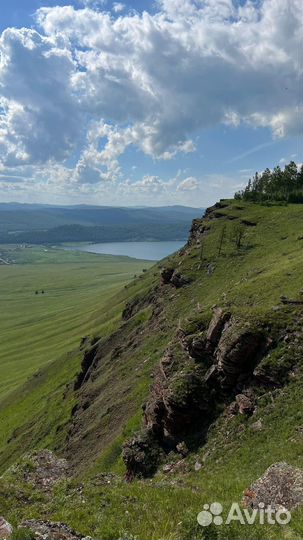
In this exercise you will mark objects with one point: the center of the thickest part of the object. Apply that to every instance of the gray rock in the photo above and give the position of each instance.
(48, 530)
(166, 275)
(245, 404)
(240, 349)
(45, 470)
(280, 486)
(216, 326)
(6, 529)
(178, 280)
(257, 426)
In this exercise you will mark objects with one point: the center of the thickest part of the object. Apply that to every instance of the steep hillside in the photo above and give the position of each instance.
(190, 396)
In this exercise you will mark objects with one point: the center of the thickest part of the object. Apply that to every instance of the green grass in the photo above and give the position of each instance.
(37, 329)
(249, 282)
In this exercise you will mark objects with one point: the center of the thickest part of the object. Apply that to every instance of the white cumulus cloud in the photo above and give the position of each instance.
(86, 84)
(189, 184)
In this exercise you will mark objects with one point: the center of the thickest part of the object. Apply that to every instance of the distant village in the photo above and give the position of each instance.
(6, 254)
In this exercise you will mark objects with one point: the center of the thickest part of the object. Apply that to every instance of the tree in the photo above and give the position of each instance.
(238, 235)
(276, 185)
(221, 239)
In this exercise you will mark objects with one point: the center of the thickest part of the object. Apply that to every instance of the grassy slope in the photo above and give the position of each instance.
(38, 330)
(249, 282)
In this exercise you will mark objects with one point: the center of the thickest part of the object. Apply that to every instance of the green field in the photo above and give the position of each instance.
(250, 281)
(36, 329)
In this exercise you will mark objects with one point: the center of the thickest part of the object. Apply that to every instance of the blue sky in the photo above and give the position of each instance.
(175, 101)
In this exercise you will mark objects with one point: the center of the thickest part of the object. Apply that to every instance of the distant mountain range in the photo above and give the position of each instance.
(37, 223)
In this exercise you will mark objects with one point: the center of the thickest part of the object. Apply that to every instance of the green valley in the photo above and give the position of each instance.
(49, 299)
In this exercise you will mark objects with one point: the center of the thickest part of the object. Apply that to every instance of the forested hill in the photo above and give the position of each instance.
(42, 224)
(25, 217)
(100, 233)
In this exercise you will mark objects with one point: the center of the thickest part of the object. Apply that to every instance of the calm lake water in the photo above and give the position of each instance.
(150, 251)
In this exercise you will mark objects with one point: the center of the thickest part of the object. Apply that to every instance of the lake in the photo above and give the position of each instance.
(149, 251)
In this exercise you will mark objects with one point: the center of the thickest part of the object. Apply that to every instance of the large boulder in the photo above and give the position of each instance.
(280, 486)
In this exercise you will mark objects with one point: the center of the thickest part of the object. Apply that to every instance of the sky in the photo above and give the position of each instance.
(146, 103)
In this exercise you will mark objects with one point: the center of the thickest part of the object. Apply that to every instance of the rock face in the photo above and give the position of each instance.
(280, 486)
(177, 402)
(48, 530)
(198, 230)
(217, 324)
(197, 346)
(87, 362)
(239, 351)
(189, 386)
(6, 529)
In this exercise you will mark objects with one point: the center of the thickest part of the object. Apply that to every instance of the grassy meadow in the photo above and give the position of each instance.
(36, 329)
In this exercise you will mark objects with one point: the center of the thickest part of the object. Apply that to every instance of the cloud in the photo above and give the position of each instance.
(148, 184)
(189, 184)
(94, 4)
(40, 116)
(118, 7)
(87, 85)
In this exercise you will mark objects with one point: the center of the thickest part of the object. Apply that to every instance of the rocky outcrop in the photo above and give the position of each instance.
(190, 386)
(48, 530)
(140, 302)
(6, 530)
(178, 280)
(179, 398)
(171, 276)
(280, 486)
(42, 469)
(179, 403)
(201, 346)
(198, 230)
(142, 455)
(86, 364)
(245, 404)
(239, 351)
(217, 325)
(188, 405)
(166, 275)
